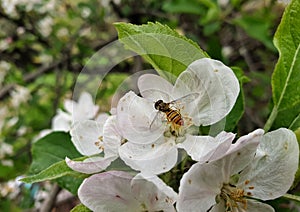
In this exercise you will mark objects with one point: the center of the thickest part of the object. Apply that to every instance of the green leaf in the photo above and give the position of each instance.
(237, 111)
(260, 24)
(48, 155)
(161, 46)
(183, 6)
(80, 208)
(54, 171)
(51, 149)
(286, 76)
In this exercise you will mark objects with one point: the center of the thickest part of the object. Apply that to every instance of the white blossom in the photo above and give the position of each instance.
(19, 95)
(238, 180)
(91, 138)
(45, 26)
(202, 95)
(120, 191)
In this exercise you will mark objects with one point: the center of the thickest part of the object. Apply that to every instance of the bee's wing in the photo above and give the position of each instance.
(185, 99)
(156, 120)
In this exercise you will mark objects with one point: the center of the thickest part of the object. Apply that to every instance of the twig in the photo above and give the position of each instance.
(49, 203)
(244, 52)
(28, 78)
(32, 76)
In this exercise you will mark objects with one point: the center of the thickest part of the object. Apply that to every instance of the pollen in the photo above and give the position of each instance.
(123, 141)
(233, 196)
(99, 144)
(286, 146)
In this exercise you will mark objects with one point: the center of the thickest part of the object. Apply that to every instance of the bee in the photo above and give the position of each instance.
(172, 111)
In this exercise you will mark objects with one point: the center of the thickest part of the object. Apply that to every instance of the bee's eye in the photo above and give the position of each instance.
(156, 105)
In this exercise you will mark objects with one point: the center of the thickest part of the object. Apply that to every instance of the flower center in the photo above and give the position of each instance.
(99, 143)
(232, 196)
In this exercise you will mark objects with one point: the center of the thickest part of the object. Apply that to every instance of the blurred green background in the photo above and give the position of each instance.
(45, 44)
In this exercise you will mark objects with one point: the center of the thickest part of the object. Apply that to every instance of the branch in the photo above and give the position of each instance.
(21, 22)
(49, 203)
(30, 77)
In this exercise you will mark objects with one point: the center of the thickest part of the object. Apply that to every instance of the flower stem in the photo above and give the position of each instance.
(271, 119)
(292, 197)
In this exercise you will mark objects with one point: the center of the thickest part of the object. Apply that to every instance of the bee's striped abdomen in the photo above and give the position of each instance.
(174, 116)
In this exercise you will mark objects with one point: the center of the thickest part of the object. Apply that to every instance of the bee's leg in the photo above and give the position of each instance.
(175, 129)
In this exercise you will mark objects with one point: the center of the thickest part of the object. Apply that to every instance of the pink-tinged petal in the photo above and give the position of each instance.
(199, 187)
(217, 86)
(90, 165)
(272, 172)
(242, 152)
(134, 117)
(61, 121)
(108, 191)
(206, 148)
(253, 137)
(153, 193)
(155, 87)
(238, 158)
(155, 158)
(86, 137)
(111, 137)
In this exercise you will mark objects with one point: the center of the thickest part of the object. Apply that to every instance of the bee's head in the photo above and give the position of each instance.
(157, 104)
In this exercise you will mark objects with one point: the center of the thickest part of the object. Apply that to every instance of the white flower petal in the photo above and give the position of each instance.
(219, 207)
(84, 109)
(134, 117)
(85, 137)
(251, 206)
(255, 206)
(254, 136)
(217, 86)
(154, 193)
(68, 105)
(111, 137)
(155, 87)
(155, 158)
(101, 118)
(199, 187)
(206, 148)
(240, 154)
(272, 172)
(61, 121)
(90, 165)
(108, 191)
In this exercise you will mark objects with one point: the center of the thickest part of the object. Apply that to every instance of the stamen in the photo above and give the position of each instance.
(232, 196)
(99, 143)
